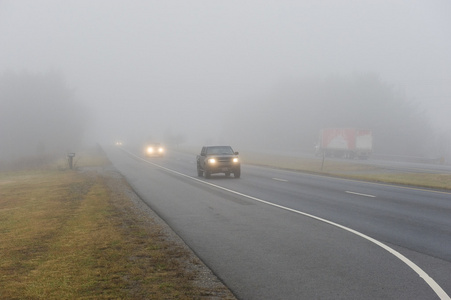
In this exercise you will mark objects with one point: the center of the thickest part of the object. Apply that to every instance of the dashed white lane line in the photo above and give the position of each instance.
(429, 280)
(279, 179)
(364, 195)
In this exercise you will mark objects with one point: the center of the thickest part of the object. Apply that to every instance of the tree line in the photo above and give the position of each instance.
(39, 116)
(293, 114)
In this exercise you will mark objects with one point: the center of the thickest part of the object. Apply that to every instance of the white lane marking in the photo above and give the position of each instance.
(279, 179)
(365, 195)
(429, 281)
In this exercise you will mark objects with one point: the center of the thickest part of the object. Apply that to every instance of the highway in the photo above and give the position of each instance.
(276, 234)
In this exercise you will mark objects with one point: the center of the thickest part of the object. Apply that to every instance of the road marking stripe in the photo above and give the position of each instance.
(431, 282)
(365, 195)
(278, 179)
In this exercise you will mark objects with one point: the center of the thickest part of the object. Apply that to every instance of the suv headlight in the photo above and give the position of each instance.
(235, 159)
(211, 160)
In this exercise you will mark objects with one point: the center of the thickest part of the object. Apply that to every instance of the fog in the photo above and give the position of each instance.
(248, 73)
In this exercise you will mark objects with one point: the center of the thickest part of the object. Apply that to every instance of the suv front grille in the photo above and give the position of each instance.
(224, 159)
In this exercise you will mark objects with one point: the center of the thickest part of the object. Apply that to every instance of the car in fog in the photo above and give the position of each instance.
(218, 159)
(154, 149)
(118, 143)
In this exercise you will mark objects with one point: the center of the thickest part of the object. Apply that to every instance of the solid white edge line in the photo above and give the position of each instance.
(431, 282)
(359, 194)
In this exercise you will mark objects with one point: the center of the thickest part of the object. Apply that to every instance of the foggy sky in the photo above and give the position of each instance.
(148, 67)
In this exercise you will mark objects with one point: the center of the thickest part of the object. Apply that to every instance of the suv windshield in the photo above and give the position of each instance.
(220, 150)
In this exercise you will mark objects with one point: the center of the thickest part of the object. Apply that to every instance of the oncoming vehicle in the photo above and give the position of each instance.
(218, 159)
(155, 149)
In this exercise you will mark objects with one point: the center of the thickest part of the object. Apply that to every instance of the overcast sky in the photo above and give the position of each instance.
(178, 65)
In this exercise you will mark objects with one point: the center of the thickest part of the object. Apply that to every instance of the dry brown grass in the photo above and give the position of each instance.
(66, 235)
(434, 181)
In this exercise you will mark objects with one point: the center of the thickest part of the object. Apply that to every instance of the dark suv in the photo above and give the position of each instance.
(218, 159)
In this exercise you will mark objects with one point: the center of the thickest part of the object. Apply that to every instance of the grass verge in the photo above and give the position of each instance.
(69, 235)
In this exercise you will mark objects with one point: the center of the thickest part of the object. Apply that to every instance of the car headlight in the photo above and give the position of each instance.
(160, 150)
(150, 150)
(211, 160)
(235, 159)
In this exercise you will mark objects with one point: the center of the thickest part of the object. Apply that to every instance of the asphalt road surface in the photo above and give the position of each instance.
(275, 234)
